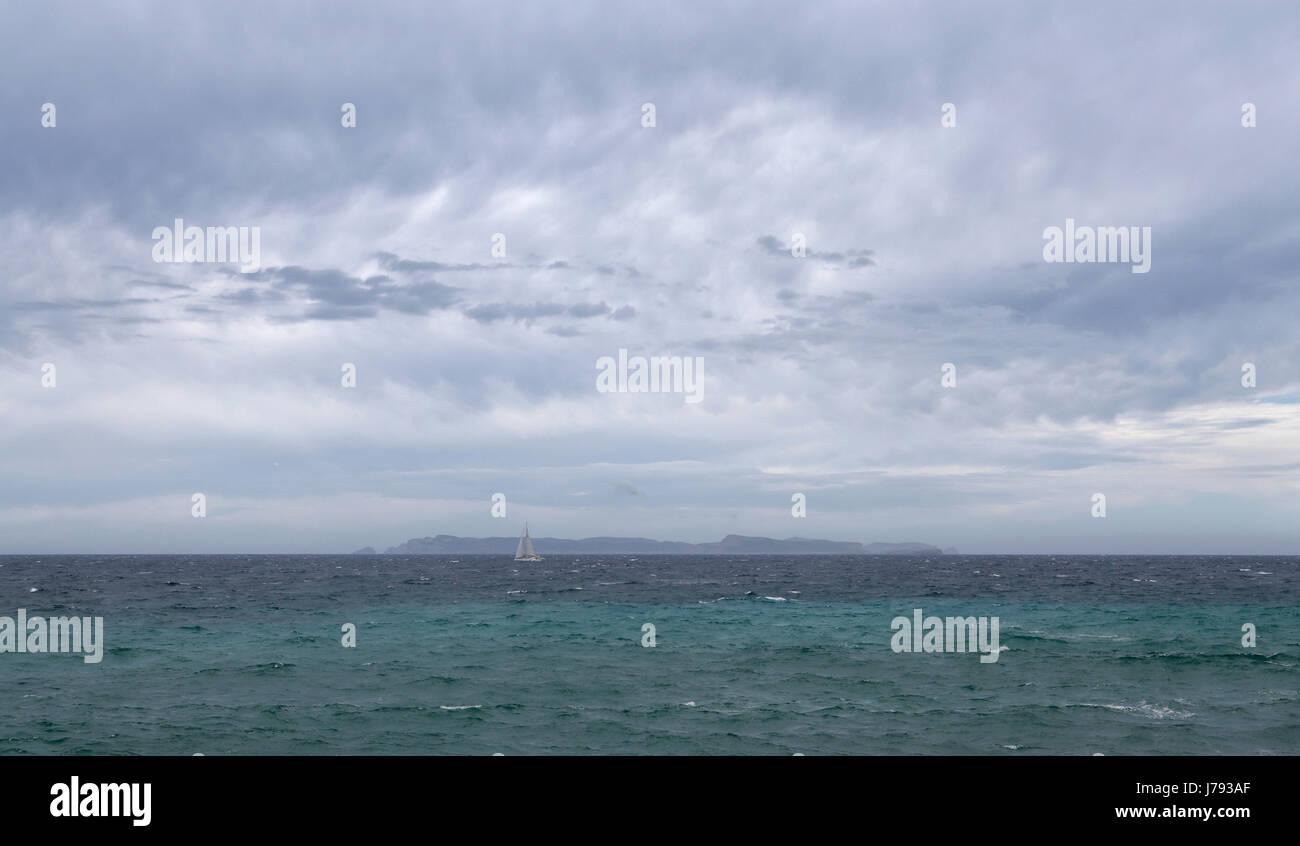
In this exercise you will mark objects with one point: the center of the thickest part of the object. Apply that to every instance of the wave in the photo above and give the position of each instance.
(1154, 712)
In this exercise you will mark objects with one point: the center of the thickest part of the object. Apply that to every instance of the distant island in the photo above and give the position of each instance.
(730, 545)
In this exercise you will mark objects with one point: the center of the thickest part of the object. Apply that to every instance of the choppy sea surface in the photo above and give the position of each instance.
(475, 655)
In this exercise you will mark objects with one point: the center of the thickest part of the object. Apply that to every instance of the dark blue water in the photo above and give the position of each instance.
(752, 655)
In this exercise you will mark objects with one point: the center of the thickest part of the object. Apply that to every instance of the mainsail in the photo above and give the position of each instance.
(525, 551)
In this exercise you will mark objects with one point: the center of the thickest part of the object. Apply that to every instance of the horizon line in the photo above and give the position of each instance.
(678, 554)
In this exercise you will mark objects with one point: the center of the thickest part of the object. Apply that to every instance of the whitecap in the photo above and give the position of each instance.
(458, 707)
(1155, 712)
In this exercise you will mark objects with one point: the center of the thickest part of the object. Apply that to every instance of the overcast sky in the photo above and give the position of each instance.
(476, 373)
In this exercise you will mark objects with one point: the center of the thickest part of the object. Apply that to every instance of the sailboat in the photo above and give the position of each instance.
(525, 552)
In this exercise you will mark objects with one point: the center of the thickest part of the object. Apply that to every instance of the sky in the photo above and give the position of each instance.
(476, 355)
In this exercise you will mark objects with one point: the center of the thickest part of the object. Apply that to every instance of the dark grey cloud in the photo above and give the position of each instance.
(847, 258)
(166, 286)
(492, 312)
(589, 309)
(251, 295)
(401, 265)
(333, 294)
(77, 304)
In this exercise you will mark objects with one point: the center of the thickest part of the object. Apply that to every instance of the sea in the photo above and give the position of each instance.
(654, 655)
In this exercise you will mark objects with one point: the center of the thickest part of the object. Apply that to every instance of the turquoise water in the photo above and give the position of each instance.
(732, 676)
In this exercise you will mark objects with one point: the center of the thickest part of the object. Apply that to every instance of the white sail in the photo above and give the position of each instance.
(525, 551)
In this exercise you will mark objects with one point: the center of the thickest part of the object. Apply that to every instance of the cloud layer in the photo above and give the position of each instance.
(499, 219)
